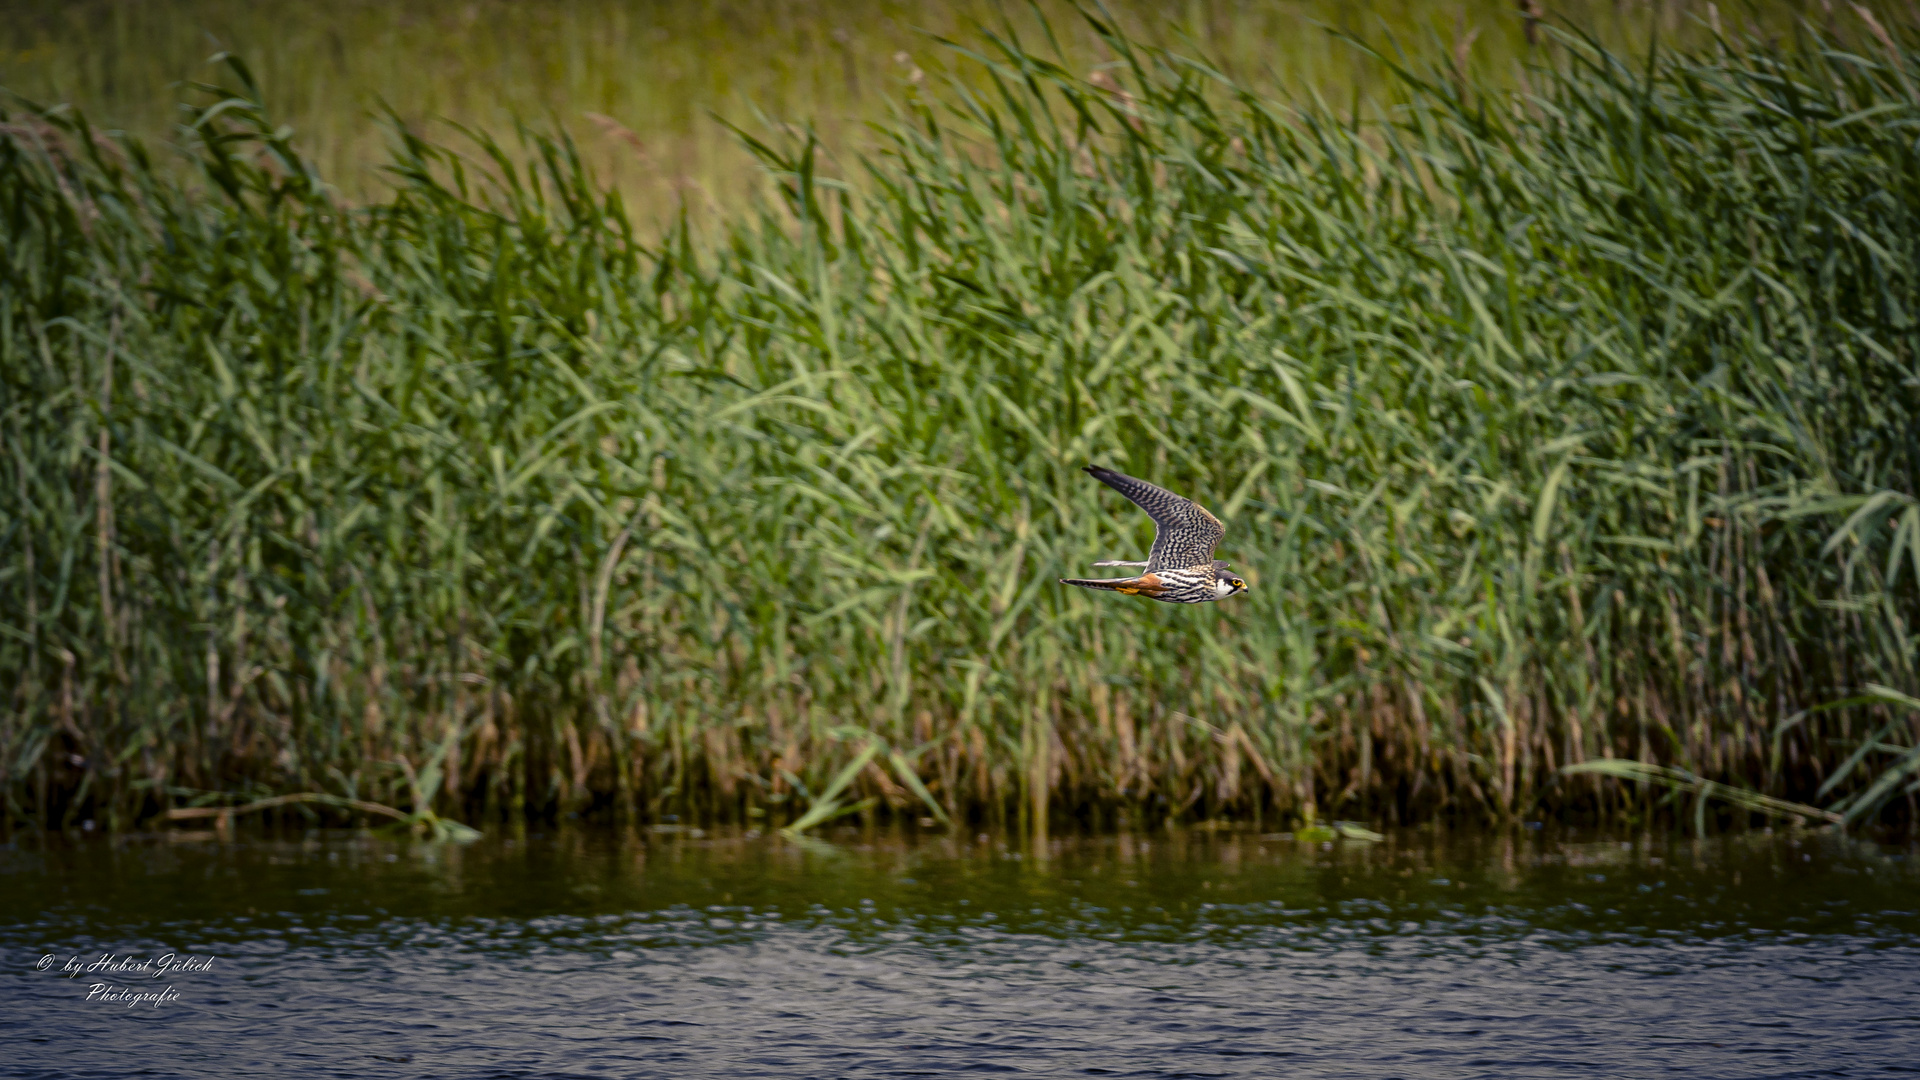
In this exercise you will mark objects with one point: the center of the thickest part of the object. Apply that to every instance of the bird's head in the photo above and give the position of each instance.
(1228, 584)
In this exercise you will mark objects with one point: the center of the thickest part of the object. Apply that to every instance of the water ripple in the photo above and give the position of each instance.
(833, 970)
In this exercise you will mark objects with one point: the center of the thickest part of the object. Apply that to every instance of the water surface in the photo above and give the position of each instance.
(686, 954)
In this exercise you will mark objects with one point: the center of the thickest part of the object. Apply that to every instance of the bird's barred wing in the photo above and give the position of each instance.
(1184, 535)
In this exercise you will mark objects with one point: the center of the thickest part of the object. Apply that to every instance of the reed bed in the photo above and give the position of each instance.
(1555, 423)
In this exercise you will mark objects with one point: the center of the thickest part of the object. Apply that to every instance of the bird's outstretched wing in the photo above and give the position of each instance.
(1184, 534)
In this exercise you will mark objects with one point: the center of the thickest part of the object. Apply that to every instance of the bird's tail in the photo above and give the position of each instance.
(1129, 585)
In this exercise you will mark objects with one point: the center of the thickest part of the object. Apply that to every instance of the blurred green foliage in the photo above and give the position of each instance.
(635, 83)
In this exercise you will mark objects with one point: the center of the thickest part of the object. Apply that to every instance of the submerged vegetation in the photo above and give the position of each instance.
(1561, 424)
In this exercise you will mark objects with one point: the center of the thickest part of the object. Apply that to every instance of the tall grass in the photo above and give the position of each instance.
(1567, 423)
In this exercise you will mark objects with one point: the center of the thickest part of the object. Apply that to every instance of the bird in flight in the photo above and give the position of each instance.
(1181, 568)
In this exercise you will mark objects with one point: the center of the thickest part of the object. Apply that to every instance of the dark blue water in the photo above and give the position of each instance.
(1196, 955)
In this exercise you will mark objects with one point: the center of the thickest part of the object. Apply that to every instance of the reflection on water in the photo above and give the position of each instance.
(682, 954)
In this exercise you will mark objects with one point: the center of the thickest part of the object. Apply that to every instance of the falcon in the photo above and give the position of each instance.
(1181, 568)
